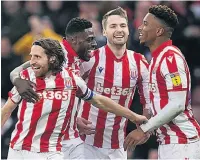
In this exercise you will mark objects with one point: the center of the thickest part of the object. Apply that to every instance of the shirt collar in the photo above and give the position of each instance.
(68, 48)
(110, 53)
(157, 51)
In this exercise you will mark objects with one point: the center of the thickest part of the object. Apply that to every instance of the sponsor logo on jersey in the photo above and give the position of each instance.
(100, 69)
(114, 90)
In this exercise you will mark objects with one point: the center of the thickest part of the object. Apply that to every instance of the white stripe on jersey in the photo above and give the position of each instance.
(108, 139)
(180, 129)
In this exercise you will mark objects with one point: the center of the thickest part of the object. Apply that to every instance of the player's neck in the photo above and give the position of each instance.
(118, 50)
(157, 43)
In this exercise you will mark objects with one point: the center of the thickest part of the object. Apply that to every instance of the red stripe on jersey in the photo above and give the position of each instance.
(164, 132)
(182, 138)
(122, 99)
(150, 81)
(138, 58)
(193, 121)
(76, 133)
(36, 114)
(172, 66)
(53, 115)
(65, 130)
(90, 84)
(162, 87)
(108, 83)
(19, 126)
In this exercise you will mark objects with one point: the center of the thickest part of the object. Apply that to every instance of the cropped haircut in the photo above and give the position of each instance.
(54, 51)
(118, 11)
(165, 14)
(77, 25)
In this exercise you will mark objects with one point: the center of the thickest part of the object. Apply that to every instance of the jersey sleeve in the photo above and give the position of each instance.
(14, 95)
(175, 72)
(143, 81)
(83, 91)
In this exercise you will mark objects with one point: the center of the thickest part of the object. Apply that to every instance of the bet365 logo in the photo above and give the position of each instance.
(50, 94)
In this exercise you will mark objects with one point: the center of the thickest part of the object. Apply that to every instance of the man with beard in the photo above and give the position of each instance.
(115, 72)
(42, 125)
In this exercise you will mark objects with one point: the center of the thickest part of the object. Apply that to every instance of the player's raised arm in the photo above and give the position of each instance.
(106, 103)
(24, 87)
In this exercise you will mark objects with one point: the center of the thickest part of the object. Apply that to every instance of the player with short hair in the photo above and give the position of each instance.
(41, 125)
(115, 72)
(170, 89)
(78, 42)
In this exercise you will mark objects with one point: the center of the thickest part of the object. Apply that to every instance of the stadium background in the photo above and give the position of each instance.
(24, 21)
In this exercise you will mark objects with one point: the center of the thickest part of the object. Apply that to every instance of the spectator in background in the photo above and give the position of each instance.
(8, 62)
(60, 13)
(34, 8)
(38, 30)
(13, 17)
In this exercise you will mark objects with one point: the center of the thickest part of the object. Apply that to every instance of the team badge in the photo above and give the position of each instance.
(133, 74)
(176, 79)
(68, 83)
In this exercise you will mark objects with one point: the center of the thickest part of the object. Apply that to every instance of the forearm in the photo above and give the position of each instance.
(168, 113)
(6, 111)
(15, 73)
(109, 105)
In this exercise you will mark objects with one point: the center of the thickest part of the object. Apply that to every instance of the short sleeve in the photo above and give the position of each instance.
(14, 95)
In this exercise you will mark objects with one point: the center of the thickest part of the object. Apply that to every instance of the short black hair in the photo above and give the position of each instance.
(165, 14)
(53, 50)
(77, 25)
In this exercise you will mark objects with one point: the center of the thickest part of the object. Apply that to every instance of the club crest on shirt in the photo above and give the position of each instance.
(68, 83)
(100, 69)
(176, 79)
(133, 74)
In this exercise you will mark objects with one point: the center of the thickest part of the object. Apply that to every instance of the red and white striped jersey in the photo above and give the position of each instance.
(72, 63)
(41, 126)
(116, 79)
(169, 72)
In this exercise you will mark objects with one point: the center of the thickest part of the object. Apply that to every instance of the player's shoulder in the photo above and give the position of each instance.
(172, 51)
(27, 73)
(97, 51)
(137, 56)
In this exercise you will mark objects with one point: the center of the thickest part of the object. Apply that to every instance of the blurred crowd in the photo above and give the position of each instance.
(22, 22)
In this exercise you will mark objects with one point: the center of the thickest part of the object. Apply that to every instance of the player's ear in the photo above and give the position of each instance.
(160, 32)
(52, 59)
(104, 32)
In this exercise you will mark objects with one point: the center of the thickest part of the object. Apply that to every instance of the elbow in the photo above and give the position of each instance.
(181, 106)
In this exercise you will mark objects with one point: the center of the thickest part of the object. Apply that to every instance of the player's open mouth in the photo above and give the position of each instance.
(119, 36)
(140, 35)
(35, 68)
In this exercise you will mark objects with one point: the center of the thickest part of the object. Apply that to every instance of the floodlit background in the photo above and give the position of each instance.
(23, 22)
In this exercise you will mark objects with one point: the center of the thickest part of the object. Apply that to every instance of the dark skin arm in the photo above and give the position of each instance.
(24, 87)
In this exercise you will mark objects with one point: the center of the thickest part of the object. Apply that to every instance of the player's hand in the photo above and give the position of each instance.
(25, 89)
(139, 119)
(85, 126)
(133, 139)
